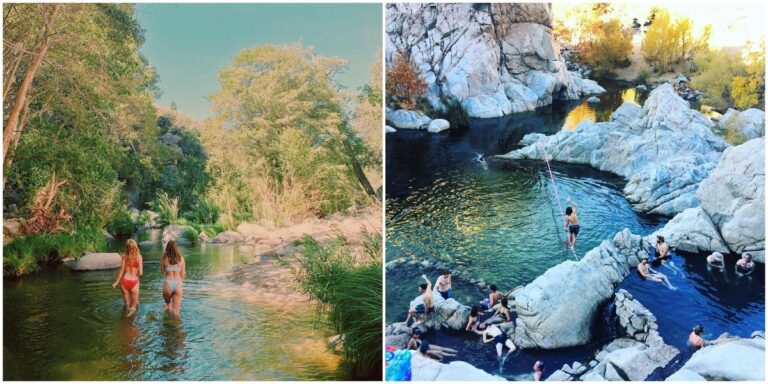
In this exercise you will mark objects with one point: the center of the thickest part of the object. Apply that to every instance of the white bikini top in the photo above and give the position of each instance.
(173, 268)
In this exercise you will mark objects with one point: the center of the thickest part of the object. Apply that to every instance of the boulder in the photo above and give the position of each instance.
(389, 129)
(97, 261)
(448, 313)
(403, 118)
(692, 231)
(531, 138)
(733, 360)
(733, 196)
(438, 125)
(427, 369)
(228, 237)
(11, 227)
(176, 233)
(748, 124)
(553, 313)
(626, 113)
(641, 88)
(664, 150)
(593, 100)
(488, 59)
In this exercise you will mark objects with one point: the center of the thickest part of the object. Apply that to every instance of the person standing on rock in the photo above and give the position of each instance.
(571, 222)
(443, 284)
(175, 269)
(646, 272)
(131, 268)
(493, 298)
(426, 295)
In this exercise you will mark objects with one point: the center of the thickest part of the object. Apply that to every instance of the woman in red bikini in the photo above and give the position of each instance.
(131, 268)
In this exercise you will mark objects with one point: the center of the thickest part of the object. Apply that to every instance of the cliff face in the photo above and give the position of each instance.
(490, 59)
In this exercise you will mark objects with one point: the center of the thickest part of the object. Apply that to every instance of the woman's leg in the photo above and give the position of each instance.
(126, 295)
(176, 302)
(167, 296)
(510, 345)
(499, 346)
(134, 299)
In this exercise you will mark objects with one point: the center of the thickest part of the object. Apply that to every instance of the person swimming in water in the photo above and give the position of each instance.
(538, 370)
(472, 322)
(571, 223)
(426, 308)
(493, 298)
(493, 333)
(173, 265)
(646, 272)
(131, 268)
(716, 261)
(696, 339)
(443, 285)
(660, 252)
(745, 266)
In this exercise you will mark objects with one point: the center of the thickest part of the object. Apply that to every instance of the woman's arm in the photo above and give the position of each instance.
(183, 269)
(429, 283)
(141, 266)
(469, 323)
(119, 273)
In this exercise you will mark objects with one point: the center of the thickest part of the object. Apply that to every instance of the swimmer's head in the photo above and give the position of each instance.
(698, 329)
(493, 288)
(446, 273)
(423, 287)
(747, 256)
(659, 238)
(568, 211)
(644, 260)
(474, 311)
(504, 302)
(482, 326)
(538, 366)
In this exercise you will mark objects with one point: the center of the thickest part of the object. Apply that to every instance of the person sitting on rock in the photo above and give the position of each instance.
(660, 252)
(696, 339)
(571, 223)
(538, 370)
(443, 285)
(646, 272)
(493, 298)
(473, 318)
(745, 266)
(430, 350)
(426, 295)
(493, 333)
(502, 312)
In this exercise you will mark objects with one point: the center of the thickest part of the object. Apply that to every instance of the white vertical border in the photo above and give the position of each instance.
(383, 190)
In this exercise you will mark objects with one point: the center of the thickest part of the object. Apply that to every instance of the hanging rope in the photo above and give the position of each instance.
(557, 197)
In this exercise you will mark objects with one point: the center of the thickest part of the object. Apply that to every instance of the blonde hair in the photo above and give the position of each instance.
(131, 251)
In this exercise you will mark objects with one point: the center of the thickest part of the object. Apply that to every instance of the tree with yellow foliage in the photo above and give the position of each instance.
(608, 47)
(748, 90)
(670, 41)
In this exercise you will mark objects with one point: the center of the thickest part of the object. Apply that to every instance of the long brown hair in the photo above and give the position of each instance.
(172, 253)
(131, 251)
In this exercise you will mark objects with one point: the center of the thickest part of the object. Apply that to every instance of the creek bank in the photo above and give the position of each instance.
(488, 59)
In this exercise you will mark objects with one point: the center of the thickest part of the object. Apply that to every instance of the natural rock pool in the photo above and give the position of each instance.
(498, 223)
(61, 325)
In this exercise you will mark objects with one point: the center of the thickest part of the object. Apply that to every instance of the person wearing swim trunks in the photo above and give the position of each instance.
(131, 268)
(434, 351)
(426, 294)
(500, 339)
(745, 266)
(646, 272)
(493, 298)
(571, 223)
(443, 285)
(173, 265)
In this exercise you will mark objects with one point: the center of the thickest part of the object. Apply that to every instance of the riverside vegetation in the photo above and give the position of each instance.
(88, 155)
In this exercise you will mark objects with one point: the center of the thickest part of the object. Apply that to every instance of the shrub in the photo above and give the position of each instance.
(191, 235)
(403, 82)
(669, 41)
(121, 224)
(608, 47)
(166, 207)
(202, 212)
(28, 254)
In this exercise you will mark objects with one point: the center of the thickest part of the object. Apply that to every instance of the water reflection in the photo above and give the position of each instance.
(609, 102)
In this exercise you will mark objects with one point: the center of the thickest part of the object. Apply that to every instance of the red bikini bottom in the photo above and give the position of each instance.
(129, 283)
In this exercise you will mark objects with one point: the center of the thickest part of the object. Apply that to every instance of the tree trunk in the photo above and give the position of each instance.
(12, 126)
(359, 173)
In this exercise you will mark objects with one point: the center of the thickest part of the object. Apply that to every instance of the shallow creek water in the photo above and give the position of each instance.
(61, 325)
(500, 224)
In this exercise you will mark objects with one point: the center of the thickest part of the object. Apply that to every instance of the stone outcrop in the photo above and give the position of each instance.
(405, 119)
(692, 231)
(438, 125)
(227, 237)
(664, 150)
(176, 233)
(748, 124)
(733, 196)
(730, 360)
(426, 369)
(96, 261)
(553, 313)
(489, 59)
(633, 356)
(448, 313)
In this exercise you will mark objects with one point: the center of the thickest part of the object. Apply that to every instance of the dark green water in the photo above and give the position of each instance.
(60, 325)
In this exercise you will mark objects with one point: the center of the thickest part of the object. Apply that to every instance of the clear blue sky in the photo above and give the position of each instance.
(189, 43)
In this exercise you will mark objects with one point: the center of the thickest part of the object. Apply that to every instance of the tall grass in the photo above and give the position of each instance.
(349, 295)
(166, 207)
(29, 254)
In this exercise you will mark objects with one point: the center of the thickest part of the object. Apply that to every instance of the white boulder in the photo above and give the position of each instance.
(438, 125)
(97, 261)
(750, 124)
(403, 118)
(736, 360)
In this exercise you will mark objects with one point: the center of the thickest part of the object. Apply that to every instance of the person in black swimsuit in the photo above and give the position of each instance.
(571, 223)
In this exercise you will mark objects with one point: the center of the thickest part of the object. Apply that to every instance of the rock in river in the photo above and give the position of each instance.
(97, 261)
(731, 360)
(403, 118)
(749, 124)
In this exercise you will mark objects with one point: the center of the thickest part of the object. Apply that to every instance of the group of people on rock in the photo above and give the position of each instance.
(132, 268)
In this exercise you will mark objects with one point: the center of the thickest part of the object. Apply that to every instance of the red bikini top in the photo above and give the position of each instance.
(134, 265)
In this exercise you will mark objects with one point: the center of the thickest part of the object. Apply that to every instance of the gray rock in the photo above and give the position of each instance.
(403, 118)
(389, 129)
(97, 261)
(750, 124)
(559, 375)
(626, 113)
(531, 138)
(438, 125)
(734, 360)
(228, 237)
(176, 233)
(733, 196)
(593, 100)
(426, 369)
(692, 231)
(642, 88)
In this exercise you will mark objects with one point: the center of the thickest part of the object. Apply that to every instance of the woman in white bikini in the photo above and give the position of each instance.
(172, 264)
